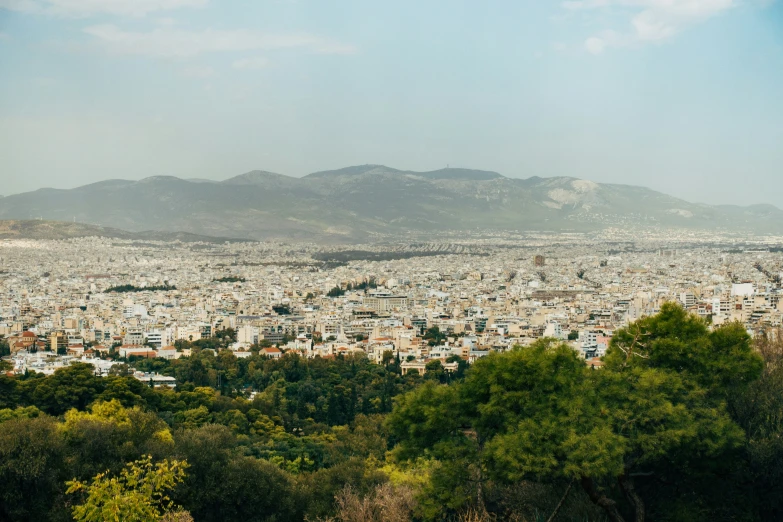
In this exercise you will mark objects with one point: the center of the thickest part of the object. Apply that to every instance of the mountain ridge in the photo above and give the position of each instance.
(367, 200)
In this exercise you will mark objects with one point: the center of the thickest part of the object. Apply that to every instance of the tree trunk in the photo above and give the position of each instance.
(628, 487)
(601, 500)
(481, 507)
(560, 504)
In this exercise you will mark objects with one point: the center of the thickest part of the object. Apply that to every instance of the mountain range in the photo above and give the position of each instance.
(361, 201)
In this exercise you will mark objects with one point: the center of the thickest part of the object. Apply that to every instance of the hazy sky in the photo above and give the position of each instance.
(684, 96)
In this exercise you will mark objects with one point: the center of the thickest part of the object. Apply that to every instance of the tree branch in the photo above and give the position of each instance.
(560, 504)
(628, 487)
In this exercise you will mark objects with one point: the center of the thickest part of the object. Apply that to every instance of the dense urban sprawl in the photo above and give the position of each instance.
(98, 300)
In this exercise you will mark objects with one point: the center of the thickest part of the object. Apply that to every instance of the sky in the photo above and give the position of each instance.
(683, 96)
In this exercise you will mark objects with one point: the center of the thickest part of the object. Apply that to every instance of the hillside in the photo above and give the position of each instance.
(38, 229)
(358, 201)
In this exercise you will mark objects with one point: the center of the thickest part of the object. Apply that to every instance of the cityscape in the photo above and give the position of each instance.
(99, 300)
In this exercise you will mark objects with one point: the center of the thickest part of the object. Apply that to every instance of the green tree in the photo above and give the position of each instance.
(722, 361)
(335, 292)
(759, 411)
(109, 435)
(138, 494)
(435, 372)
(434, 336)
(32, 469)
(75, 386)
(29, 412)
(128, 390)
(9, 391)
(537, 413)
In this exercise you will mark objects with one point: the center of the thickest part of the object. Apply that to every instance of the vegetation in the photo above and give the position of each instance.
(345, 256)
(139, 494)
(230, 279)
(339, 291)
(650, 435)
(434, 336)
(121, 289)
(335, 292)
(682, 423)
(282, 309)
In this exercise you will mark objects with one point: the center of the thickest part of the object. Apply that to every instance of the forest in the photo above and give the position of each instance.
(682, 423)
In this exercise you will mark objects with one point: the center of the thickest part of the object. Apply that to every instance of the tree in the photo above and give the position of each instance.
(538, 413)
(462, 366)
(759, 411)
(31, 468)
(139, 494)
(435, 372)
(224, 486)
(253, 490)
(9, 391)
(109, 435)
(207, 450)
(335, 292)
(75, 386)
(128, 390)
(30, 412)
(434, 336)
(722, 361)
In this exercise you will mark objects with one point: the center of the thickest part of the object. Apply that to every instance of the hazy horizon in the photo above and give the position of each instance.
(207, 180)
(681, 96)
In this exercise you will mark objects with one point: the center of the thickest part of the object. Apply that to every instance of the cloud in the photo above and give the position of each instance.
(595, 45)
(171, 42)
(198, 72)
(650, 20)
(251, 63)
(166, 22)
(598, 43)
(85, 8)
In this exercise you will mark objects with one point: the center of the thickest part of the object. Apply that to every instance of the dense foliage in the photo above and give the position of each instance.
(339, 291)
(682, 423)
(309, 422)
(121, 289)
(230, 279)
(139, 494)
(650, 435)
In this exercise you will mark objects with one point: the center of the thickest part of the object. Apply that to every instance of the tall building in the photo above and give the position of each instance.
(540, 261)
(58, 342)
(133, 337)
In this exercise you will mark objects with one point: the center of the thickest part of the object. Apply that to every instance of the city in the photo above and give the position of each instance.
(482, 295)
